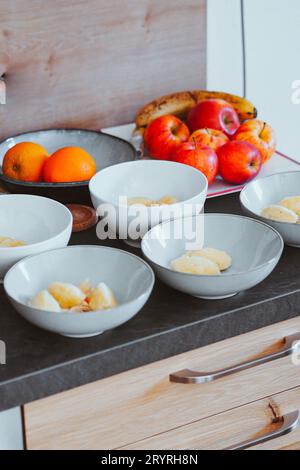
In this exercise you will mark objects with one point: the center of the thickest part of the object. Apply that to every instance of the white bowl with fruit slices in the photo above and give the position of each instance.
(275, 199)
(79, 291)
(213, 256)
(171, 189)
(30, 225)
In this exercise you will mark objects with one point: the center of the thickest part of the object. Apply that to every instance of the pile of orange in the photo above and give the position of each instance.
(28, 161)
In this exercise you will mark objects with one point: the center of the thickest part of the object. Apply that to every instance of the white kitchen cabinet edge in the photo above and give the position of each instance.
(224, 46)
(11, 430)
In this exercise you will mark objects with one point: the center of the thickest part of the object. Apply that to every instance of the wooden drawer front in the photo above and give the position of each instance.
(126, 408)
(232, 428)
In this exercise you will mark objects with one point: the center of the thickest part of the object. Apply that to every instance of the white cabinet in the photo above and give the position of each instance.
(11, 430)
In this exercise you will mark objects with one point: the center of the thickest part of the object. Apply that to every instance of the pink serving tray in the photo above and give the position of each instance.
(279, 163)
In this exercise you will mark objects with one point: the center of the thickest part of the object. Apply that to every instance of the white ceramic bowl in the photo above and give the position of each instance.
(255, 249)
(264, 192)
(152, 179)
(41, 223)
(130, 278)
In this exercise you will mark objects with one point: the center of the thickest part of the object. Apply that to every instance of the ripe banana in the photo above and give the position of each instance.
(67, 295)
(221, 258)
(180, 104)
(195, 265)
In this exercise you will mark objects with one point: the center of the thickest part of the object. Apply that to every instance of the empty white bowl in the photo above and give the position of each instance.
(129, 277)
(151, 179)
(41, 223)
(255, 249)
(264, 192)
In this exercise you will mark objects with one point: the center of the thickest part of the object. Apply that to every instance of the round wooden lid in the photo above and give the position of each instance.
(84, 217)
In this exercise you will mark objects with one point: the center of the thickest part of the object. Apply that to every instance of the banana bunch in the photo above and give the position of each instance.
(179, 104)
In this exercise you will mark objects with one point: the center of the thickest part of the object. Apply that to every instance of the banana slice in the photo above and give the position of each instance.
(280, 214)
(195, 265)
(221, 258)
(292, 203)
(82, 308)
(168, 200)
(10, 242)
(44, 301)
(67, 295)
(102, 298)
(143, 201)
(139, 201)
(86, 287)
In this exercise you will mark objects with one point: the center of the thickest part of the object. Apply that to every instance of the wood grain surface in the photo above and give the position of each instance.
(233, 427)
(93, 63)
(141, 403)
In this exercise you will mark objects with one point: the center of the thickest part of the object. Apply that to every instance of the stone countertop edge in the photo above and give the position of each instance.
(111, 361)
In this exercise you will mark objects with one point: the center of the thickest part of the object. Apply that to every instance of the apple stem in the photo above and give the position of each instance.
(175, 129)
(262, 131)
(195, 143)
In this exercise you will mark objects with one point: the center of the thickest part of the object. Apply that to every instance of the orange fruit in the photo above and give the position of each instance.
(25, 162)
(69, 164)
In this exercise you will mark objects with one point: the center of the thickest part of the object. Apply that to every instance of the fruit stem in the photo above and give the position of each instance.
(263, 129)
(195, 143)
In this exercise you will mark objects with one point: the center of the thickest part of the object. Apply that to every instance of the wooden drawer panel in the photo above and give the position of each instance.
(232, 427)
(128, 407)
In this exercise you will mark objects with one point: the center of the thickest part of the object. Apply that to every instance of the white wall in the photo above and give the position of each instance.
(224, 47)
(272, 58)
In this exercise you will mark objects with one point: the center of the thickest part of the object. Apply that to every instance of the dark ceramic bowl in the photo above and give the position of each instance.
(106, 150)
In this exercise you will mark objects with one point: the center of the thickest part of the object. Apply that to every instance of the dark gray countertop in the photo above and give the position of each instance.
(40, 364)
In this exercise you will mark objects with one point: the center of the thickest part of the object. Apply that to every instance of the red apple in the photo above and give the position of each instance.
(163, 135)
(260, 134)
(202, 158)
(239, 162)
(214, 114)
(210, 138)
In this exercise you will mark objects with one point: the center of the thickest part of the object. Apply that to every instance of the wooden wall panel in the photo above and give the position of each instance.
(92, 63)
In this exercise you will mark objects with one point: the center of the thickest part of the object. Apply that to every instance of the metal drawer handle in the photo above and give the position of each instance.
(289, 423)
(291, 346)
